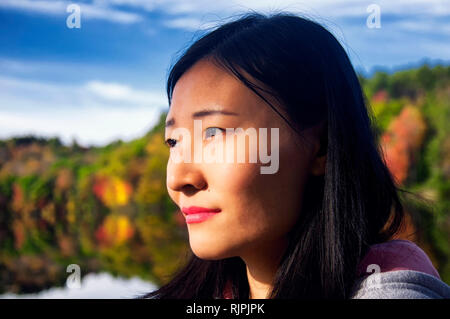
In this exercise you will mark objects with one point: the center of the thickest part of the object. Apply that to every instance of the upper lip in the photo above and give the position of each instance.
(198, 209)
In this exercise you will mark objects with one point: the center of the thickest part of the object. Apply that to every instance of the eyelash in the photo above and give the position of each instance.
(170, 142)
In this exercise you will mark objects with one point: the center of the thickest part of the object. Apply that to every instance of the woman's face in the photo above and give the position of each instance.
(257, 210)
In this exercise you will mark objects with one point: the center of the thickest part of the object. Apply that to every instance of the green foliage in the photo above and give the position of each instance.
(6, 185)
(408, 83)
(379, 81)
(428, 89)
(386, 111)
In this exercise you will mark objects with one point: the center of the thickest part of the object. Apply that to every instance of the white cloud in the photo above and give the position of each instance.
(191, 24)
(423, 26)
(186, 14)
(325, 8)
(92, 126)
(95, 113)
(88, 11)
(122, 93)
(148, 5)
(192, 15)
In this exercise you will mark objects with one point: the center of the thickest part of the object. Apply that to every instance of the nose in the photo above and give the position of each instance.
(185, 177)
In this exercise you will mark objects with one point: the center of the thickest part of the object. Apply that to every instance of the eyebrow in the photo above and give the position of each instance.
(203, 113)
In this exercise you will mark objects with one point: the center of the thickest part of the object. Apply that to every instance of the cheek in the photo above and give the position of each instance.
(259, 206)
(174, 195)
(245, 217)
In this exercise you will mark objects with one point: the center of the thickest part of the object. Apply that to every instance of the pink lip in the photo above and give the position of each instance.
(195, 214)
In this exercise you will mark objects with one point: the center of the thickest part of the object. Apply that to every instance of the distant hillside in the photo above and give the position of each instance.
(102, 208)
(107, 208)
(412, 112)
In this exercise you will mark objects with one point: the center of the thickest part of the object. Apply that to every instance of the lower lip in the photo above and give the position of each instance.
(198, 217)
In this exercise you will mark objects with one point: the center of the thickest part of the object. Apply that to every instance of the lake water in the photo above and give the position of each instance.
(100, 285)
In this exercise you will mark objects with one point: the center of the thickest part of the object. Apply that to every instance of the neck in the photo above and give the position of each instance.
(262, 264)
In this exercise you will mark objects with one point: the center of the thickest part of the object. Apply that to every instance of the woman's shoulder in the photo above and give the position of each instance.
(397, 254)
(398, 269)
(400, 284)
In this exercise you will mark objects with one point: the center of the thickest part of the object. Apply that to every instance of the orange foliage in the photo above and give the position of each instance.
(66, 245)
(115, 229)
(112, 191)
(48, 213)
(380, 97)
(17, 198)
(19, 234)
(64, 179)
(402, 140)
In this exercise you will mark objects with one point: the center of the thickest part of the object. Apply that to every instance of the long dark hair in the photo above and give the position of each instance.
(356, 202)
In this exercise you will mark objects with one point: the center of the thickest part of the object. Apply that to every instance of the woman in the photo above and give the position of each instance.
(320, 218)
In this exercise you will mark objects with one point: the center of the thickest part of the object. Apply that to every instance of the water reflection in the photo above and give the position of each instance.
(94, 286)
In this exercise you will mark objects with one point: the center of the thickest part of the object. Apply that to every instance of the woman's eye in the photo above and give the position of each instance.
(212, 131)
(170, 142)
(209, 132)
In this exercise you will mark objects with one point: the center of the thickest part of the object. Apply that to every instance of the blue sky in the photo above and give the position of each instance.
(106, 79)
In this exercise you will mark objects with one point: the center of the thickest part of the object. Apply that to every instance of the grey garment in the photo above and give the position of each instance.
(400, 284)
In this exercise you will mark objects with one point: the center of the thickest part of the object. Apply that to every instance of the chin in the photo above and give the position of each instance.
(207, 253)
(208, 250)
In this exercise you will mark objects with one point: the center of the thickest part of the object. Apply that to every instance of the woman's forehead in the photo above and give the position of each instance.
(205, 83)
(208, 86)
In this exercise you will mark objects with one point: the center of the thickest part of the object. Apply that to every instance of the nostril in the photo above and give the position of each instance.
(190, 189)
